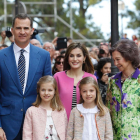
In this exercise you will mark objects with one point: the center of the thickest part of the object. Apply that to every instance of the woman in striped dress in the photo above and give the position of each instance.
(77, 65)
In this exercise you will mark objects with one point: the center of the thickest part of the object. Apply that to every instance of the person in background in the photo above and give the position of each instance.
(95, 49)
(58, 65)
(35, 42)
(77, 65)
(124, 36)
(135, 39)
(89, 120)
(123, 94)
(102, 75)
(47, 118)
(63, 52)
(69, 41)
(104, 50)
(3, 36)
(56, 53)
(21, 66)
(3, 46)
(51, 49)
(94, 57)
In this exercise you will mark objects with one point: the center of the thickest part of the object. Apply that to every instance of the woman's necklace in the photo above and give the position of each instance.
(123, 78)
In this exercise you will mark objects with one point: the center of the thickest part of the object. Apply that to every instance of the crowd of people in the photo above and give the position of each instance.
(67, 94)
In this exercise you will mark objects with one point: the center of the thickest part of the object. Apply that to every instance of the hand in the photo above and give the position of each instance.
(3, 34)
(105, 78)
(2, 134)
(55, 41)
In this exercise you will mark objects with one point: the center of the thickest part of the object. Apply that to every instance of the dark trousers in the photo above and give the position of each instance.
(19, 135)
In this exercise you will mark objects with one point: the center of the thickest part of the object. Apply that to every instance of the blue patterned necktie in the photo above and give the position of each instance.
(21, 68)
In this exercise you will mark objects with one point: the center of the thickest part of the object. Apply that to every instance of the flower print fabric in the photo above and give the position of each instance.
(124, 103)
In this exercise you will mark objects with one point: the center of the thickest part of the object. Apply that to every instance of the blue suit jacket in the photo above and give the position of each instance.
(13, 104)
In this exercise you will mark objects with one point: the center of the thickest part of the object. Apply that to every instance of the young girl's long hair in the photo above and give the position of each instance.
(98, 100)
(55, 102)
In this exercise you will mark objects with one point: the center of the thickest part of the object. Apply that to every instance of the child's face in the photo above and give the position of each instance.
(88, 93)
(46, 92)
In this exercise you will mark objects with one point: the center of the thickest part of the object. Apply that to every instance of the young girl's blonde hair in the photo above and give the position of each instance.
(55, 102)
(98, 100)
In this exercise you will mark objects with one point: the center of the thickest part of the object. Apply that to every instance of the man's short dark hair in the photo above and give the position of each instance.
(22, 16)
(4, 45)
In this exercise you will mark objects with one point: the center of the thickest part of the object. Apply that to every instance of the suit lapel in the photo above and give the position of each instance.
(33, 65)
(10, 63)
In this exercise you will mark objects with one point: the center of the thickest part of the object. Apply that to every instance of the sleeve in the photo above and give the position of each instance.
(27, 126)
(70, 129)
(108, 127)
(66, 120)
(57, 79)
(109, 94)
(47, 68)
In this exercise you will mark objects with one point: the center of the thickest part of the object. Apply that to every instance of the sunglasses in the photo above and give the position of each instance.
(58, 63)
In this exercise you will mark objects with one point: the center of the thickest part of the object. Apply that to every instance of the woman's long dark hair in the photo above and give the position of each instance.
(101, 64)
(58, 58)
(87, 66)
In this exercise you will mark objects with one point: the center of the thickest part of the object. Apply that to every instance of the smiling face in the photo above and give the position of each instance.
(46, 92)
(22, 32)
(76, 59)
(88, 93)
(120, 62)
(106, 68)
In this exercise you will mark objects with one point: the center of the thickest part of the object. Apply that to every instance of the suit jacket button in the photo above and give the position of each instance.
(23, 97)
(21, 109)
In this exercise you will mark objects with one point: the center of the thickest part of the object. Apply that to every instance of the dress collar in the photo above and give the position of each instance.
(135, 75)
(84, 110)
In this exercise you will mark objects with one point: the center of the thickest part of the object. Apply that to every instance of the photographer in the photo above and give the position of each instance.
(102, 74)
(104, 50)
(8, 34)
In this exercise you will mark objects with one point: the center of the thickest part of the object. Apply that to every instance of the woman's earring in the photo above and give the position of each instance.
(84, 61)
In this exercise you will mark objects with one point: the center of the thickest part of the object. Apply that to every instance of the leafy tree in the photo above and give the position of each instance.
(134, 17)
(89, 30)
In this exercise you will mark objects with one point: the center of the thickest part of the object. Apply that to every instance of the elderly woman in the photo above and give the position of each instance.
(123, 95)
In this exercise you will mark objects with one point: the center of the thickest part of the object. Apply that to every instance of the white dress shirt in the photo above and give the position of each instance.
(89, 130)
(26, 55)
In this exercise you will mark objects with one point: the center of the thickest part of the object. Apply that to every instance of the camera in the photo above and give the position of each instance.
(37, 31)
(8, 32)
(101, 51)
(109, 74)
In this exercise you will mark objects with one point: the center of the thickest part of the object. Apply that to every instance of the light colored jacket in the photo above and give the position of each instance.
(65, 87)
(76, 124)
(35, 123)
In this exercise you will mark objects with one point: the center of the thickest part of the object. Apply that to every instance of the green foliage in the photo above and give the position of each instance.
(89, 30)
(134, 16)
(92, 2)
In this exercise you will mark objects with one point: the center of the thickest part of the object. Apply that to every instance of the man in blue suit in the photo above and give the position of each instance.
(18, 88)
